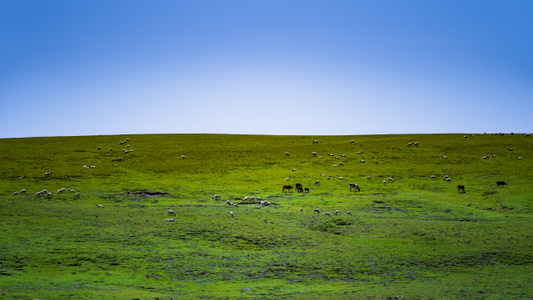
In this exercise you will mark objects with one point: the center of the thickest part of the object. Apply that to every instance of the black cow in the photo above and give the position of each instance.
(501, 183)
(461, 188)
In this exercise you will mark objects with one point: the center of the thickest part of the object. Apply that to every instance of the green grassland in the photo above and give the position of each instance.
(413, 238)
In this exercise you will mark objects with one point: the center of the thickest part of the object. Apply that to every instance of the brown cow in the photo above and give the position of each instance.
(287, 187)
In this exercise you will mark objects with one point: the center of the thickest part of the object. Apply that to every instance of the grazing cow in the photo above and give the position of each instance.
(355, 187)
(461, 188)
(299, 186)
(299, 189)
(501, 183)
(287, 187)
(306, 190)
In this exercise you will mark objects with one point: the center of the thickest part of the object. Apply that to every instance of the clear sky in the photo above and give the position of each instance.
(90, 67)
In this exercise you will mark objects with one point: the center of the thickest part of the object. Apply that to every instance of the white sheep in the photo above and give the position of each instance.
(23, 191)
(15, 193)
(363, 161)
(182, 156)
(77, 195)
(231, 213)
(448, 180)
(352, 141)
(316, 210)
(390, 179)
(100, 205)
(170, 220)
(216, 197)
(519, 158)
(287, 154)
(171, 212)
(348, 212)
(49, 195)
(444, 156)
(327, 214)
(368, 177)
(317, 182)
(337, 212)
(314, 154)
(61, 191)
(341, 178)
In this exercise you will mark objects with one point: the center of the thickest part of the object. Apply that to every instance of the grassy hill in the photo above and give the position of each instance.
(413, 237)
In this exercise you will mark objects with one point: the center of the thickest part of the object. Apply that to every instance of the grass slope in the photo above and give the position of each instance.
(415, 237)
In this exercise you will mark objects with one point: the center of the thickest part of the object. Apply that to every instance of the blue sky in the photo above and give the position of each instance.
(308, 67)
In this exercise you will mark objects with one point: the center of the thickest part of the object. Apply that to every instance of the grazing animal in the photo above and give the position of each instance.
(171, 212)
(327, 214)
(510, 149)
(287, 187)
(348, 212)
(390, 179)
(432, 177)
(315, 142)
(299, 189)
(316, 210)
(298, 185)
(341, 178)
(317, 182)
(170, 220)
(231, 213)
(519, 158)
(287, 154)
(100, 205)
(301, 210)
(448, 180)
(336, 211)
(314, 154)
(501, 183)
(306, 190)
(354, 186)
(445, 157)
(15, 193)
(363, 161)
(216, 197)
(352, 141)
(368, 177)
(461, 188)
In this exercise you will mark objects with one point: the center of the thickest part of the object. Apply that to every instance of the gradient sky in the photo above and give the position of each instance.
(90, 67)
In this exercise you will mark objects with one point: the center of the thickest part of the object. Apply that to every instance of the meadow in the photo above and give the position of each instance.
(411, 238)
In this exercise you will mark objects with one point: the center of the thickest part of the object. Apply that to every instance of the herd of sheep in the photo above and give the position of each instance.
(259, 201)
